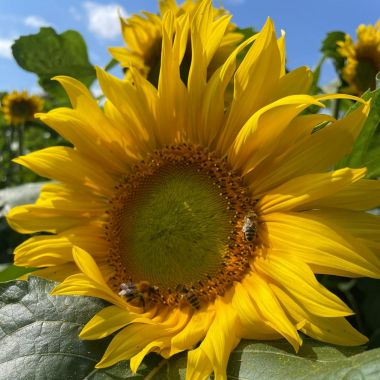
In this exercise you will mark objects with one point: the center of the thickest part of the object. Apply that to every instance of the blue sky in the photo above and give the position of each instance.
(305, 23)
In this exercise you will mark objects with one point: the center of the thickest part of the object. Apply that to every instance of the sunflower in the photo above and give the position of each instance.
(143, 38)
(19, 107)
(202, 225)
(362, 58)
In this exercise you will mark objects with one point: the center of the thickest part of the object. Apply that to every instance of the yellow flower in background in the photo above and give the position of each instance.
(362, 58)
(143, 38)
(202, 225)
(19, 107)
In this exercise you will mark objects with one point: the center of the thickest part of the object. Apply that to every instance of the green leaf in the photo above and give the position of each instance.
(277, 361)
(366, 150)
(48, 54)
(329, 48)
(246, 32)
(39, 336)
(12, 272)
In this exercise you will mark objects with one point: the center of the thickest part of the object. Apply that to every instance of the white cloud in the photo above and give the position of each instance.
(35, 21)
(5, 47)
(103, 20)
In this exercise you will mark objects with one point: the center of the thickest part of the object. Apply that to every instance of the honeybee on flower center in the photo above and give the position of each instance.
(138, 294)
(249, 227)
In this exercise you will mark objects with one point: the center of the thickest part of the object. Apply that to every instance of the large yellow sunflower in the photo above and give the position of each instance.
(202, 225)
(143, 38)
(19, 107)
(362, 58)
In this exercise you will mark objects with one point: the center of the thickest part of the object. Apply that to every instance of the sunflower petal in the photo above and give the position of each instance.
(106, 322)
(57, 163)
(329, 330)
(315, 242)
(270, 310)
(298, 279)
(220, 340)
(307, 188)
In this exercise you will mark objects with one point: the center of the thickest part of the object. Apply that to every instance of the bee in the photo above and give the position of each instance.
(193, 300)
(138, 294)
(249, 226)
(189, 297)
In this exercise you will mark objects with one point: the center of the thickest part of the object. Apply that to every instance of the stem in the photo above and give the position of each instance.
(156, 369)
(336, 108)
(20, 130)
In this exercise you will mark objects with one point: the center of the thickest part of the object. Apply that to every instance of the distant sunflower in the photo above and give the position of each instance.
(362, 58)
(19, 107)
(200, 225)
(143, 38)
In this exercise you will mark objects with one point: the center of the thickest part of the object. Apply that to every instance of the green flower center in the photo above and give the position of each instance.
(176, 230)
(176, 226)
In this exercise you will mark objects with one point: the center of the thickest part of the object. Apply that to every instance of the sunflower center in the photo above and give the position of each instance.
(177, 228)
(178, 222)
(22, 108)
(366, 71)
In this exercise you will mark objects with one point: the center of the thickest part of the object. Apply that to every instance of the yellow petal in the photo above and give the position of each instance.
(255, 79)
(220, 340)
(106, 322)
(316, 242)
(87, 265)
(270, 310)
(198, 365)
(262, 132)
(57, 272)
(31, 218)
(298, 279)
(136, 106)
(307, 188)
(360, 224)
(90, 138)
(172, 92)
(297, 81)
(137, 336)
(154, 346)
(361, 195)
(67, 165)
(194, 331)
(329, 330)
(43, 251)
(81, 285)
(254, 326)
(213, 102)
(306, 157)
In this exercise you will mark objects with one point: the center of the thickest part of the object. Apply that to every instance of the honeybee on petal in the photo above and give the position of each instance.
(249, 226)
(138, 294)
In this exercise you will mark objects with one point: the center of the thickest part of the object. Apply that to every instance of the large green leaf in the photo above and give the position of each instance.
(39, 340)
(366, 150)
(277, 361)
(48, 54)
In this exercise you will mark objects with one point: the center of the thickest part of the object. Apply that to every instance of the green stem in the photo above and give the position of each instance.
(20, 130)
(9, 171)
(336, 108)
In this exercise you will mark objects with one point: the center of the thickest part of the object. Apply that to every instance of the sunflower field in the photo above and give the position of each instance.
(212, 212)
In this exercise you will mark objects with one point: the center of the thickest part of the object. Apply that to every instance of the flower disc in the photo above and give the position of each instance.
(172, 224)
